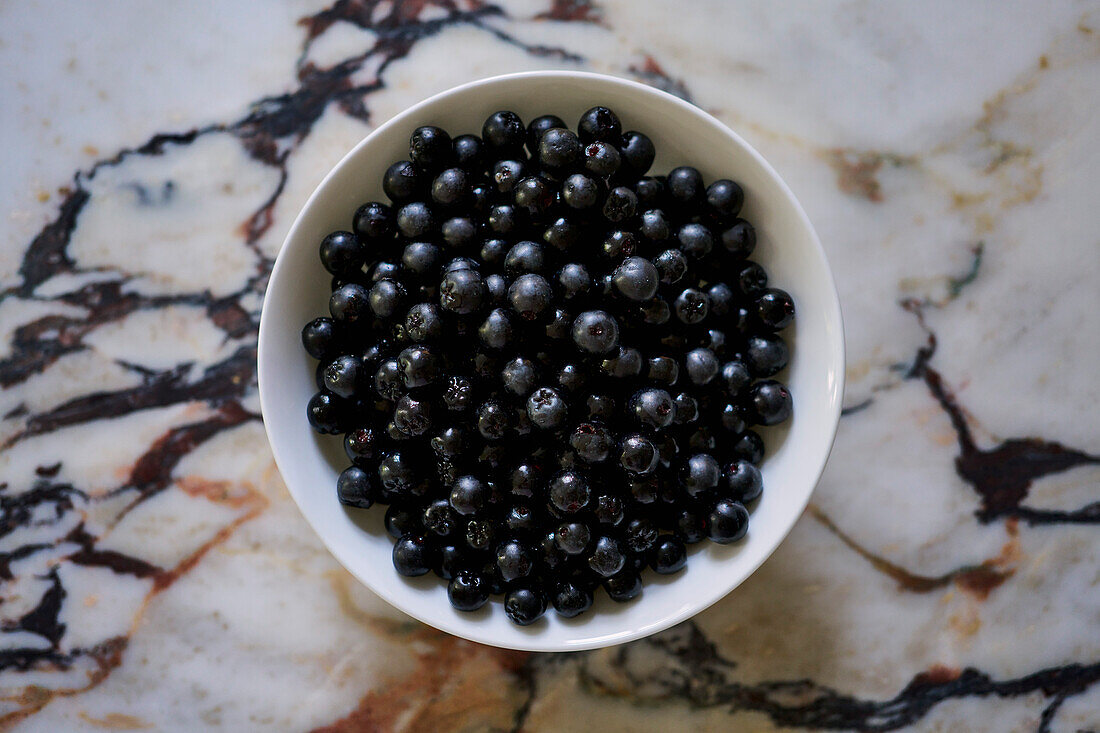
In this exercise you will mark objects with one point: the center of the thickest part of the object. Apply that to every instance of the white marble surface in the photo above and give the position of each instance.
(155, 573)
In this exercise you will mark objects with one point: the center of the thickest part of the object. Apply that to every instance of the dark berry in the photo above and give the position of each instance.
(580, 192)
(412, 416)
(450, 560)
(766, 355)
(457, 393)
(739, 239)
(462, 291)
(559, 149)
(748, 447)
(695, 240)
(652, 408)
(320, 338)
(592, 442)
(514, 560)
(743, 481)
(419, 367)
(538, 126)
(724, 199)
(562, 234)
(621, 204)
(415, 220)
(663, 369)
(496, 287)
(626, 363)
(701, 366)
(651, 192)
(518, 376)
(687, 409)
(523, 257)
(600, 123)
(424, 322)
(595, 332)
(639, 535)
(752, 279)
(685, 186)
(546, 408)
(602, 159)
(569, 492)
(493, 420)
(770, 401)
(775, 309)
(504, 133)
(468, 591)
(469, 152)
(638, 454)
(385, 298)
(469, 495)
(669, 555)
(573, 537)
(430, 147)
(496, 330)
(503, 219)
(571, 377)
(690, 525)
(619, 244)
(359, 445)
(700, 474)
(412, 555)
(342, 375)
(733, 419)
(644, 489)
(524, 605)
(420, 258)
(571, 599)
(526, 480)
(728, 522)
(534, 195)
(624, 586)
(480, 534)
(638, 152)
(608, 509)
(341, 253)
(735, 378)
(606, 558)
(440, 518)
(655, 226)
(507, 173)
(691, 306)
(373, 221)
(388, 382)
(574, 280)
(636, 278)
(401, 181)
(530, 296)
(354, 488)
(450, 441)
(401, 520)
(327, 413)
(385, 271)
(349, 303)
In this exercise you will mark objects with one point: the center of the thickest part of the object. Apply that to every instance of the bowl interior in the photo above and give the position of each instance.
(787, 248)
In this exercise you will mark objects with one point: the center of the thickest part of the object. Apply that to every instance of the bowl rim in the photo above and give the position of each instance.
(837, 347)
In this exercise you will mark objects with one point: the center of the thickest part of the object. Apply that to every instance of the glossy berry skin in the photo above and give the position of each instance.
(439, 518)
(691, 306)
(636, 279)
(468, 591)
(430, 147)
(639, 535)
(638, 455)
(652, 408)
(508, 173)
(401, 520)
(373, 221)
(496, 330)
(672, 265)
(774, 309)
(480, 534)
(493, 420)
(354, 488)
(627, 362)
(752, 279)
(402, 181)
(469, 152)
(601, 159)
(606, 558)
(514, 560)
(663, 369)
(728, 522)
(349, 303)
(592, 442)
(770, 402)
(530, 296)
(418, 366)
(518, 376)
(524, 605)
(625, 586)
(700, 474)
(320, 337)
(360, 445)
(386, 298)
(450, 187)
(538, 126)
(739, 239)
(457, 393)
(766, 355)
(424, 322)
(685, 186)
(637, 152)
(669, 555)
(724, 199)
(701, 365)
(341, 253)
(595, 332)
(574, 281)
(470, 495)
(571, 600)
(695, 240)
(412, 416)
(621, 204)
(342, 375)
(572, 538)
(580, 192)
(559, 149)
(412, 556)
(743, 482)
(749, 447)
(504, 133)
(690, 525)
(546, 408)
(326, 413)
(569, 492)
(462, 291)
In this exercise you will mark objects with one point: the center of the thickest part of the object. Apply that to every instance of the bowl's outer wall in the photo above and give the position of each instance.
(787, 248)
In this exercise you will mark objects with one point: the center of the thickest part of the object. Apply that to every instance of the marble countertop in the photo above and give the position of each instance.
(154, 572)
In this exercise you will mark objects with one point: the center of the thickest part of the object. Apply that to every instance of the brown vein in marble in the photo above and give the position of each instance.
(978, 580)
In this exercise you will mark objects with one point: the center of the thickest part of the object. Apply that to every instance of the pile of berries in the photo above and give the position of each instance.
(547, 363)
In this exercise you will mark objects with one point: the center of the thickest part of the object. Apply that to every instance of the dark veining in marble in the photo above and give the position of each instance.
(1001, 475)
(654, 74)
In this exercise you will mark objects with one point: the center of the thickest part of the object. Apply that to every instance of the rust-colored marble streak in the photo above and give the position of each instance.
(456, 686)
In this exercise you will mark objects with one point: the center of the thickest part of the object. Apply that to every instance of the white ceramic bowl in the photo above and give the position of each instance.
(787, 248)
